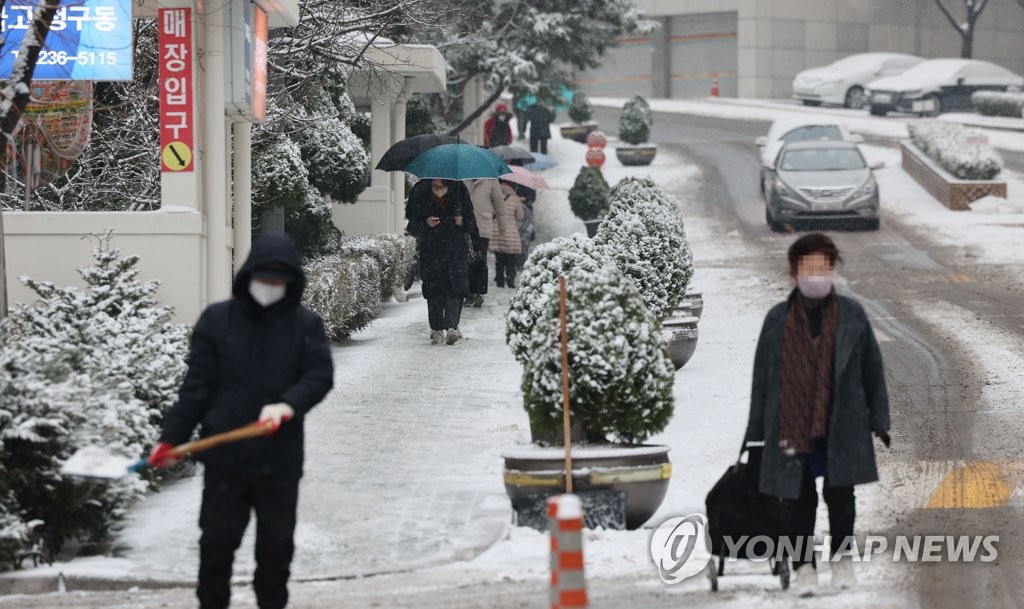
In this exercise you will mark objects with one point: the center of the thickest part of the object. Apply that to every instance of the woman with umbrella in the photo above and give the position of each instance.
(440, 215)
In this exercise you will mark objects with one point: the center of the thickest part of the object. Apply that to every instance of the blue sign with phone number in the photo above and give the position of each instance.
(88, 40)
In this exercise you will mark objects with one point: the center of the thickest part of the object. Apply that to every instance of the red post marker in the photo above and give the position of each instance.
(565, 522)
(714, 85)
(595, 157)
(596, 139)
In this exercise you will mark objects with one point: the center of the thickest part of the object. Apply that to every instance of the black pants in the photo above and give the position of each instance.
(801, 512)
(521, 123)
(478, 268)
(228, 498)
(444, 312)
(505, 266)
(538, 144)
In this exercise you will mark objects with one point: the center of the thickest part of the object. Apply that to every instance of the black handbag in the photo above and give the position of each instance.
(736, 508)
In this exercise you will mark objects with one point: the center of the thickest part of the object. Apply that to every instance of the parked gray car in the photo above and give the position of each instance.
(821, 181)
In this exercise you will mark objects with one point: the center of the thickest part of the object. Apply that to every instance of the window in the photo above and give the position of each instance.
(823, 159)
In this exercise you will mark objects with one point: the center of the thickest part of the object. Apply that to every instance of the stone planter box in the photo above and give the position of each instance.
(636, 155)
(951, 191)
(592, 226)
(577, 131)
(620, 486)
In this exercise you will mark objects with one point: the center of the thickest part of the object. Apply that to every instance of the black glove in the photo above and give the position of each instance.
(884, 437)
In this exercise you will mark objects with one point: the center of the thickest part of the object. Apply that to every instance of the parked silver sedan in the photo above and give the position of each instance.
(821, 181)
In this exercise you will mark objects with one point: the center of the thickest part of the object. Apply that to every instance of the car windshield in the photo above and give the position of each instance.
(813, 132)
(822, 159)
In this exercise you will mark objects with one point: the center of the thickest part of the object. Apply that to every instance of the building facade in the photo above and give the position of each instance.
(754, 48)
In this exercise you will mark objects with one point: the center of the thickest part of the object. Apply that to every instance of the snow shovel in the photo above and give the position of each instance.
(99, 463)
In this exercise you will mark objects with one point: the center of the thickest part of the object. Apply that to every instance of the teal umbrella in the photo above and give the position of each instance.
(457, 162)
(565, 99)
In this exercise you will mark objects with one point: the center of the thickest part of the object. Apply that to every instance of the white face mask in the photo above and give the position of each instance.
(814, 286)
(266, 294)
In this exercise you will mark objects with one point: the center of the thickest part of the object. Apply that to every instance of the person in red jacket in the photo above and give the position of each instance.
(497, 128)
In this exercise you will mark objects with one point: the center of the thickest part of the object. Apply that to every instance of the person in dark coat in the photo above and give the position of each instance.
(498, 128)
(540, 117)
(818, 393)
(519, 108)
(440, 215)
(260, 356)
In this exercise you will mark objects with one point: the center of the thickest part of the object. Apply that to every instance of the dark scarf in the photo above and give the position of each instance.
(806, 374)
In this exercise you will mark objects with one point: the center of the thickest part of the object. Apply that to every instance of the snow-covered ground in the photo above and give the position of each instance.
(403, 459)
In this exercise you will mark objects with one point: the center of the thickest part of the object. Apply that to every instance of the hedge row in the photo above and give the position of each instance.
(347, 289)
(947, 144)
(998, 103)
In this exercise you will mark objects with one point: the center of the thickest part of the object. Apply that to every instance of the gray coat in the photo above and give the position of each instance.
(858, 407)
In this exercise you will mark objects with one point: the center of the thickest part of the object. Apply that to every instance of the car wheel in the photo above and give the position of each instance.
(811, 102)
(937, 105)
(878, 110)
(855, 98)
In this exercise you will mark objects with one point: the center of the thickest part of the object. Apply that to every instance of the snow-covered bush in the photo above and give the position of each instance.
(620, 374)
(538, 281)
(98, 365)
(344, 291)
(946, 144)
(395, 256)
(589, 194)
(635, 121)
(998, 103)
(643, 234)
(580, 110)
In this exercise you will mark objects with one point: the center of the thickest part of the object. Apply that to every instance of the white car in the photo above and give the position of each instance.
(939, 85)
(844, 81)
(785, 130)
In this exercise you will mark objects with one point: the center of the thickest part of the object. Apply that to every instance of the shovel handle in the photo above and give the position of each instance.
(255, 430)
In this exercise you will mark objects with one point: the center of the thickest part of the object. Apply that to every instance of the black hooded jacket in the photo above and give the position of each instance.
(244, 356)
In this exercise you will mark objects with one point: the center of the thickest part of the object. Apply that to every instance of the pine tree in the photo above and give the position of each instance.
(97, 365)
(643, 234)
(635, 121)
(538, 281)
(619, 372)
(590, 194)
(580, 111)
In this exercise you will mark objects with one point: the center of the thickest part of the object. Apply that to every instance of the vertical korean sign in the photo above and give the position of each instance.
(259, 66)
(177, 119)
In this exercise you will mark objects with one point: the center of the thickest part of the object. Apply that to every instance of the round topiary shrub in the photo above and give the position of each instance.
(538, 281)
(580, 111)
(620, 374)
(590, 194)
(643, 234)
(635, 122)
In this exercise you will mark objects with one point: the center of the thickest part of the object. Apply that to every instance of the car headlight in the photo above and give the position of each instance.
(782, 189)
(869, 189)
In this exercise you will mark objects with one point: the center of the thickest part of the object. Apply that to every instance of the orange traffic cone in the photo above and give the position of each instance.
(714, 85)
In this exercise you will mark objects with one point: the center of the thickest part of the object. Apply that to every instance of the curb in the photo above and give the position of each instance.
(47, 584)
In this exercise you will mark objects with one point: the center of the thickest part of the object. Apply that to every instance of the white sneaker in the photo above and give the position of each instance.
(437, 337)
(806, 580)
(843, 577)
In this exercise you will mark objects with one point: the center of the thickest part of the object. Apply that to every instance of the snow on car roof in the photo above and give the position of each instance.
(944, 68)
(785, 125)
(869, 58)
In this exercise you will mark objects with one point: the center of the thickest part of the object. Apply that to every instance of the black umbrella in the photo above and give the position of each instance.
(402, 153)
(513, 155)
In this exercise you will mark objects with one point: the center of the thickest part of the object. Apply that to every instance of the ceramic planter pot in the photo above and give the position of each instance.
(592, 226)
(696, 300)
(578, 131)
(680, 336)
(636, 155)
(620, 486)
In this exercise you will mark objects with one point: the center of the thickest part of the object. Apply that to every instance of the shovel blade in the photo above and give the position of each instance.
(99, 463)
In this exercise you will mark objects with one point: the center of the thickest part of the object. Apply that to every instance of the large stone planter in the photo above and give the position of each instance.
(696, 300)
(578, 131)
(592, 226)
(680, 336)
(620, 486)
(636, 155)
(954, 193)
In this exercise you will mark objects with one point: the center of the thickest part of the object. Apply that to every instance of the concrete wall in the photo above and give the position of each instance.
(51, 247)
(775, 39)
